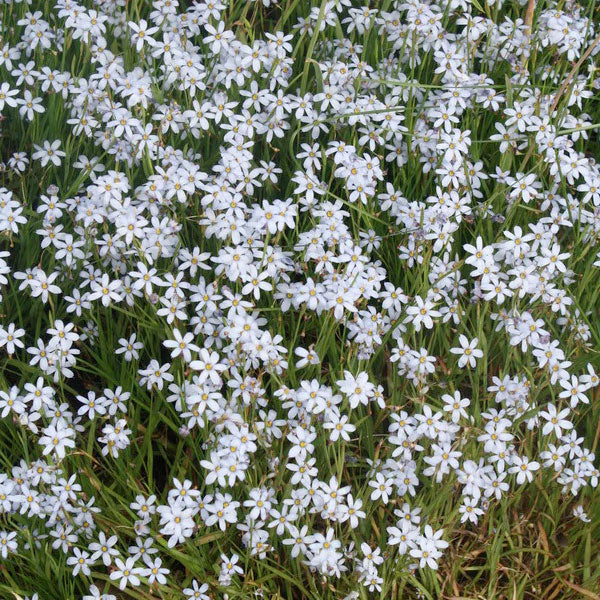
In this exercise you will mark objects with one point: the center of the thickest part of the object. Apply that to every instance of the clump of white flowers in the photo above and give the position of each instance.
(273, 290)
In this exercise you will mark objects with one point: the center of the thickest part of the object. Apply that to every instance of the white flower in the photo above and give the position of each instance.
(468, 351)
(126, 572)
(197, 591)
(382, 488)
(306, 357)
(456, 406)
(142, 34)
(11, 338)
(339, 427)
(209, 365)
(421, 313)
(580, 514)
(48, 153)
(524, 468)
(80, 561)
(6, 96)
(57, 437)
(8, 543)
(470, 510)
(181, 345)
(555, 421)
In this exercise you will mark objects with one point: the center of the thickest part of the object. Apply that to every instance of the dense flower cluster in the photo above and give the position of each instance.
(241, 217)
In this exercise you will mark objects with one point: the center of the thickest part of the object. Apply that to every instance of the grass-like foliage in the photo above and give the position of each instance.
(299, 299)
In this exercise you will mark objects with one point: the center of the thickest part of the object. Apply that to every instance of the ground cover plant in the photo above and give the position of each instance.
(299, 299)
